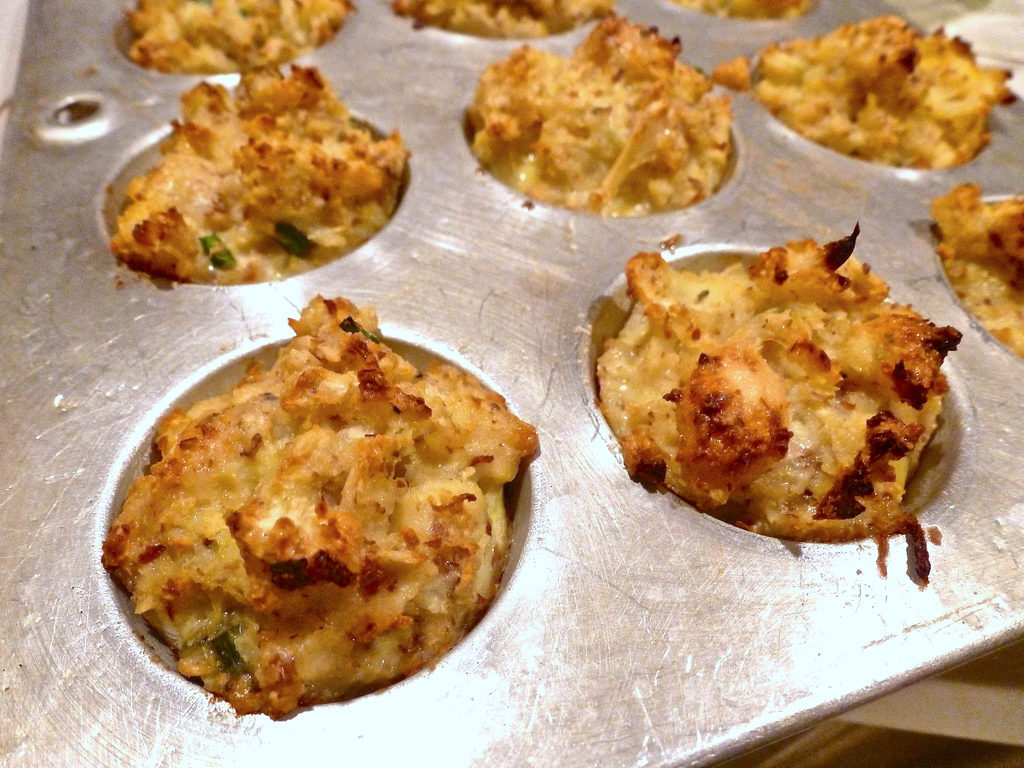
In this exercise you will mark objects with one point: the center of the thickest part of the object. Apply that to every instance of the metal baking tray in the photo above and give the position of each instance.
(630, 629)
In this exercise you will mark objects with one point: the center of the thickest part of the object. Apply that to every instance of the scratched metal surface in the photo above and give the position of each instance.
(630, 629)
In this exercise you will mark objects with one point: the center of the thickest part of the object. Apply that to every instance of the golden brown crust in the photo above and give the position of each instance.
(981, 243)
(229, 35)
(886, 439)
(162, 245)
(283, 152)
(731, 415)
(789, 396)
(504, 18)
(331, 525)
(880, 91)
(620, 128)
(750, 9)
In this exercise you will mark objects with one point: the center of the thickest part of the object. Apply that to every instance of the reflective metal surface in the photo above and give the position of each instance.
(631, 630)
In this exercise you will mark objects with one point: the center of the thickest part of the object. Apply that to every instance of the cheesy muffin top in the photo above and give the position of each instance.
(504, 18)
(750, 9)
(982, 250)
(619, 128)
(329, 526)
(209, 36)
(268, 183)
(787, 396)
(881, 91)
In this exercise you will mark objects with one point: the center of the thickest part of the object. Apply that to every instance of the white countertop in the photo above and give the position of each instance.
(12, 23)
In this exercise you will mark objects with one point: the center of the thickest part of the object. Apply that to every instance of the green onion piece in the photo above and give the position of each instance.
(244, 13)
(203, 2)
(703, 295)
(223, 259)
(220, 255)
(349, 325)
(209, 242)
(228, 657)
(292, 239)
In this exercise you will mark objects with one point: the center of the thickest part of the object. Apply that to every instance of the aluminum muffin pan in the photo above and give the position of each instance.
(630, 629)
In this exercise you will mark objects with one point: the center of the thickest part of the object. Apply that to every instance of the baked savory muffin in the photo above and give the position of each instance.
(982, 250)
(880, 91)
(504, 18)
(269, 183)
(331, 525)
(619, 128)
(787, 396)
(208, 36)
(750, 9)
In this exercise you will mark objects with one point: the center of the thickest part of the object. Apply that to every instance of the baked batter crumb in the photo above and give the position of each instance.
(268, 183)
(733, 73)
(982, 250)
(881, 91)
(620, 128)
(504, 18)
(209, 36)
(750, 9)
(331, 525)
(787, 397)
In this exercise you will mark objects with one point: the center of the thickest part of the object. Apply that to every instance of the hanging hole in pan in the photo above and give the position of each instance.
(73, 119)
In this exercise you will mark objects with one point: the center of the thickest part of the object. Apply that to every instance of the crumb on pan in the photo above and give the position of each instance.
(331, 525)
(620, 128)
(881, 91)
(269, 182)
(981, 244)
(210, 36)
(787, 396)
(750, 9)
(734, 73)
(504, 18)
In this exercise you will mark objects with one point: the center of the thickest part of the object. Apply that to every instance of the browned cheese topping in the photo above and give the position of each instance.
(787, 396)
(329, 526)
(982, 250)
(504, 18)
(209, 36)
(750, 9)
(620, 128)
(268, 183)
(881, 91)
